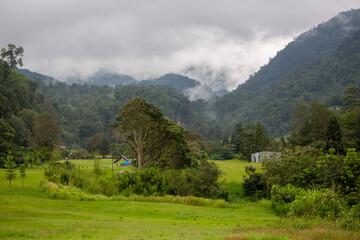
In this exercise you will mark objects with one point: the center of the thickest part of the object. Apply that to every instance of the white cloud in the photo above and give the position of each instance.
(220, 43)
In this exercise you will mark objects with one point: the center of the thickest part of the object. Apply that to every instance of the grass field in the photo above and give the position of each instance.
(233, 170)
(29, 214)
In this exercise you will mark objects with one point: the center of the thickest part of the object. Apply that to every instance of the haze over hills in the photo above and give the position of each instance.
(317, 66)
(183, 84)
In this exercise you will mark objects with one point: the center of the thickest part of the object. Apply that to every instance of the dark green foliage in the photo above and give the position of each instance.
(352, 97)
(333, 136)
(250, 139)
(226, 152)
(254, 185)
(350, 123)
(83, 110)
(309, 123)
(19, 112)
(98, 143)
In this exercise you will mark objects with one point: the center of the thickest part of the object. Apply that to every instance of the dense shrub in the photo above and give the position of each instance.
(293, 201)
(254, 185)
(314, 202)
(296, 166)
(350, 177)
(307, 167)
(282, 197)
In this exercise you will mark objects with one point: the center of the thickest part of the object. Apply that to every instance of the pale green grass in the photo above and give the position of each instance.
(28, 213)
(233, 170)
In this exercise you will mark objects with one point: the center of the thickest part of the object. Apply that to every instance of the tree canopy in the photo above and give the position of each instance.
(151, 137)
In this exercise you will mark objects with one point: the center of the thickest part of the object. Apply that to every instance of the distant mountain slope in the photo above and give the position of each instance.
(37, 77)
(178, 82)
(318, 65)
(102, 78)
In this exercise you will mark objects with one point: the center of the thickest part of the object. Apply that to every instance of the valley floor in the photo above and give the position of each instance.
(29, 213)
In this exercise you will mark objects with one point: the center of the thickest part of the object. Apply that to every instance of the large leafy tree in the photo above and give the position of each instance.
(152, 138)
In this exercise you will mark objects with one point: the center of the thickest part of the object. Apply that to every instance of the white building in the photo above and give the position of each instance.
(259, 156)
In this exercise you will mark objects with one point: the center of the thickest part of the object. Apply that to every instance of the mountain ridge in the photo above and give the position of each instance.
(247, 103)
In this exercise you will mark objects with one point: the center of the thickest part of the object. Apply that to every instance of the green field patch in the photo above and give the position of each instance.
(234, 170)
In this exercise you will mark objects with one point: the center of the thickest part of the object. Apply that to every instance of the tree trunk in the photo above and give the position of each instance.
(10, 185)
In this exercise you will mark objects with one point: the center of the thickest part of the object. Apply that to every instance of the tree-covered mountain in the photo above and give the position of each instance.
(178, 82)
(83, 110)
(317, 65)
(102, 78)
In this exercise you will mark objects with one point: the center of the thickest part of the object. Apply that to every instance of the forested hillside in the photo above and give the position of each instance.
(318, 65)
(84, 110)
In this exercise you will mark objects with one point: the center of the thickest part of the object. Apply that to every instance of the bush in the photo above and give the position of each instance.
(282, 197)
(254, 185)
(293, 201)
(324, 203)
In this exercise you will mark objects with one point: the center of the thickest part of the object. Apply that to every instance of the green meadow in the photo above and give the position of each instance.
(234, 170)
(29, 213)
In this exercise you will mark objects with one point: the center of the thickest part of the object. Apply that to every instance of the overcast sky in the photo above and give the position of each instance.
(220, 43)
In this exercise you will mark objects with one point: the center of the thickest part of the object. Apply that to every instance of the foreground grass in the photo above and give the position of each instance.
(30, 213)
